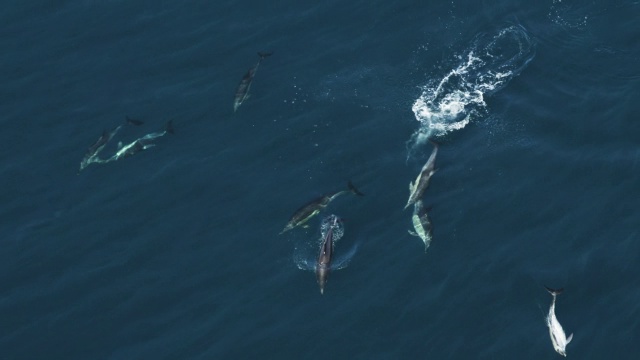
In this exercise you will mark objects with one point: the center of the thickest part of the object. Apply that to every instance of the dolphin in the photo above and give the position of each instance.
(91, 155)
(242, 91)
(323, 265)
(331, 225)
(140, 144)
(311, 209)
(421, 224)
(417, 188)
(558, 338)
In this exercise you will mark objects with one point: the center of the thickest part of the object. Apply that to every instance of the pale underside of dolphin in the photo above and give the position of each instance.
(558, 338)
(421, 224)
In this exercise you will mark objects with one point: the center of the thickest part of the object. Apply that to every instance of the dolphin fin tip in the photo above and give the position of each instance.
(353, 189)
(169, 127)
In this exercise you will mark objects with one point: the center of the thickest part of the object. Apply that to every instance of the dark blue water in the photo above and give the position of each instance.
(174, 253)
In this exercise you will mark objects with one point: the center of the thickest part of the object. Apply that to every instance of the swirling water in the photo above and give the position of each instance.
(174, 253)
(485, 68)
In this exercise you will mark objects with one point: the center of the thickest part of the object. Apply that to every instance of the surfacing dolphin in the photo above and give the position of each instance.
(421, 224)
(558, 337)
(309, 210)
(242, 92)
(91, 156)
(417, 188)
(332, 230)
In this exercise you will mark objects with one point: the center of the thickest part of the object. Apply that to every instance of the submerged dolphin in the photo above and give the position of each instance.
(421, 224)
(417, 188)
(558, 337)
(91, 155)
(242, 92)
(331, 232)
(303, 214)
(134, 121)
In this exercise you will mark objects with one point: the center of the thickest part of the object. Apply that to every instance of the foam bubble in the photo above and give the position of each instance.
(457, 98)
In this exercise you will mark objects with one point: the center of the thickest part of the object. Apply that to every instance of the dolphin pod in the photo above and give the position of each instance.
(331, 226)
(136, 146)
(420, 217)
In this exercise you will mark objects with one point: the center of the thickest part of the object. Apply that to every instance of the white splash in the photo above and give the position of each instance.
(334, 224)
(459, 97)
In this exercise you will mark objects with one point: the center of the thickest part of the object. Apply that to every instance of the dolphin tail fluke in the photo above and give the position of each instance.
(554, 292)
(353, 189)
(263, 54)
(169, 127)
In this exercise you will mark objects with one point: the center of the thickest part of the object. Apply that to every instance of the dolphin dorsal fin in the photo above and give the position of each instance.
(570, 338)
(119, 144)
(413, 233)
(411, 186)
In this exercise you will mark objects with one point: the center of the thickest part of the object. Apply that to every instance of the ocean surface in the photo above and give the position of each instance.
(175, 252)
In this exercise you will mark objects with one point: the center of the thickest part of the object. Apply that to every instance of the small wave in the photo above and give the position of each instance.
(459, 97)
